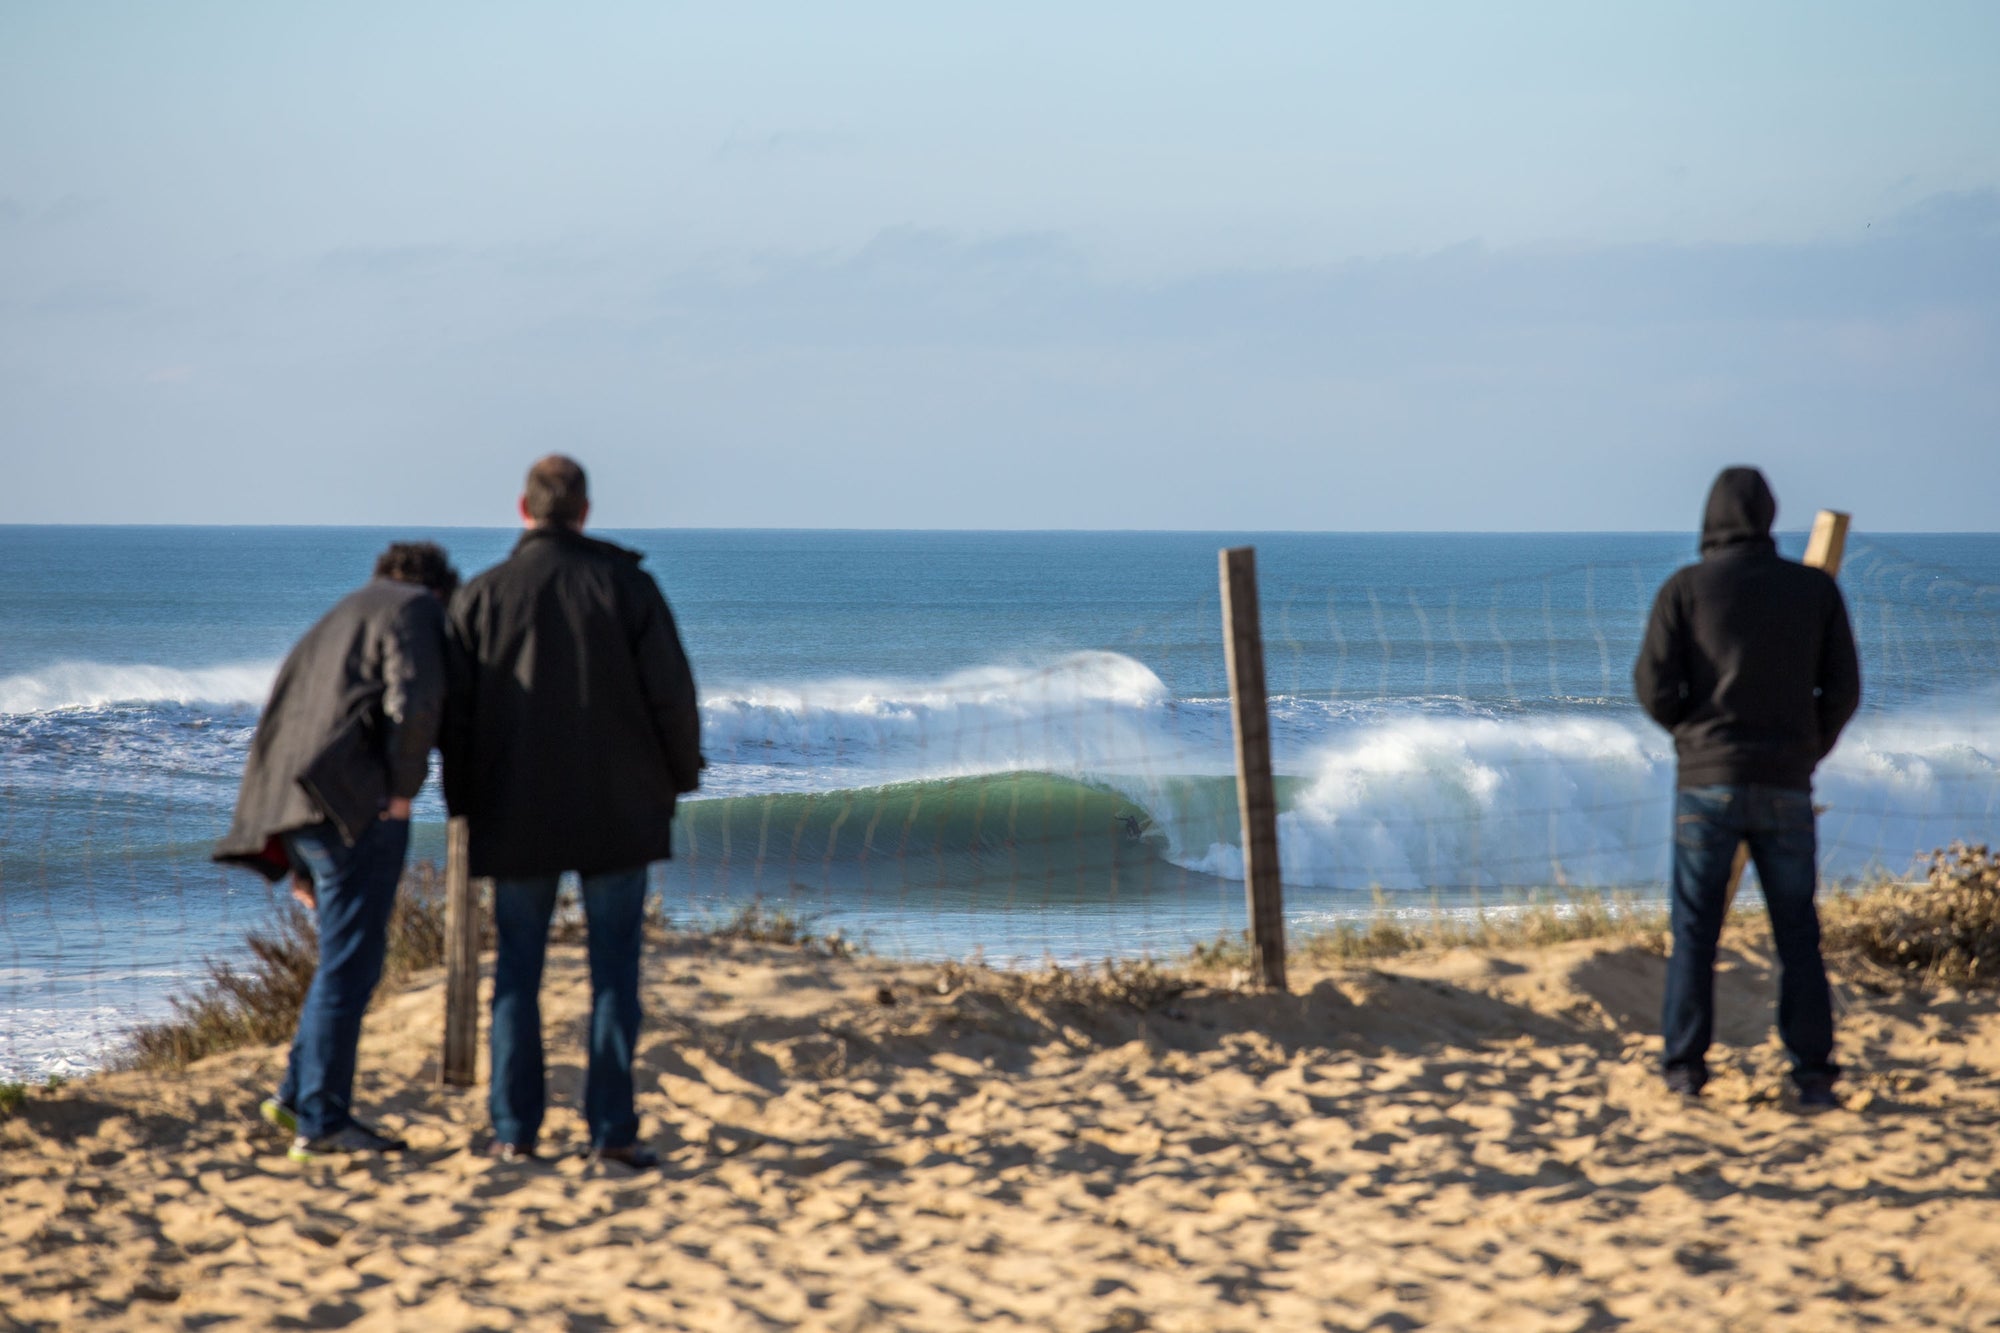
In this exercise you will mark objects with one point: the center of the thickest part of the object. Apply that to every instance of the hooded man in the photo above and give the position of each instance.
(1749, 660)
(572, 730)
(340, 750)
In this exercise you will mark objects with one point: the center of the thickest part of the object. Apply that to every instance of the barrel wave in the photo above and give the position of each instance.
(977, 839)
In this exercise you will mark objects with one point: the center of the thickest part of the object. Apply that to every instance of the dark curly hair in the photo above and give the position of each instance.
(418, 562)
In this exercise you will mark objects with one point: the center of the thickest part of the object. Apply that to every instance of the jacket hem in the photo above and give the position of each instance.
(1729, 775)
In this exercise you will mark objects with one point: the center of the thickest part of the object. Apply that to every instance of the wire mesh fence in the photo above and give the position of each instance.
(1019, 747)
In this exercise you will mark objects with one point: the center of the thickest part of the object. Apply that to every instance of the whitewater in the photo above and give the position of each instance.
(1424, 793)
(1016, 744)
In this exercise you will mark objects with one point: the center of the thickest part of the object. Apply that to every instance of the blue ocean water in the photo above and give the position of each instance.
(943, 742)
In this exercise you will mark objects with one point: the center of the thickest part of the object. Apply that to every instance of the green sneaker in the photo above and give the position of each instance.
(278, 1115)
(354, 1137)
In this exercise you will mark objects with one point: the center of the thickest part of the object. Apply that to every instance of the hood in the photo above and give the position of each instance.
(1740, 510)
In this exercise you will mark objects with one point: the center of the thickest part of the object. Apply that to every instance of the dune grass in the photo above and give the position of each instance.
(1942, 930)
(1551, 918)
(258, 1002)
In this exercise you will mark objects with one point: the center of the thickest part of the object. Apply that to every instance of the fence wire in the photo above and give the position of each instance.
(1452, 721)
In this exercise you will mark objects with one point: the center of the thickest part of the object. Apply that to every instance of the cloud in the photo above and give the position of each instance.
(384, 261)
(69, 210)
(1467, 304)
(747, 148)
(1953, 213)
(929, 377)
(90, 297)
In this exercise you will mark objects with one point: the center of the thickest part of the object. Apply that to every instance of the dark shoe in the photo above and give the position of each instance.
(632, 1155)
(354, 1137)
(511, 1153)
(1684, 1083)
(1817, 1094)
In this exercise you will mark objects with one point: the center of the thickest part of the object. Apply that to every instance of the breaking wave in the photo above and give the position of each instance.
(67, 686)
(1404, 803)
(1089, 764)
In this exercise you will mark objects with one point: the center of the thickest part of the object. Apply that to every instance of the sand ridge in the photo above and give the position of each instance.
(1451, 1140)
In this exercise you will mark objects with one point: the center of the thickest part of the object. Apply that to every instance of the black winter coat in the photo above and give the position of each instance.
(350, 723)
(571, 725)
(1749, 658)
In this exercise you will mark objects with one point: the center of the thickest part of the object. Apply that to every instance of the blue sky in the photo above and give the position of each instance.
(1294, 266)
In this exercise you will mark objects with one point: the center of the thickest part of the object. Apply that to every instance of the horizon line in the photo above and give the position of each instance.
(1024, 531)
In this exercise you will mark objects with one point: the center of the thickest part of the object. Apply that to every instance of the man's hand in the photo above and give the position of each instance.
(398, 808)
(303, 890)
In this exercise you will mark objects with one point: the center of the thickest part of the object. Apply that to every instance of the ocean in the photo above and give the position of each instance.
(1012, 744)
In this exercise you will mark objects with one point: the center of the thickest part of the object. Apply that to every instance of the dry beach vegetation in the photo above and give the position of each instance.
(1447, 1124)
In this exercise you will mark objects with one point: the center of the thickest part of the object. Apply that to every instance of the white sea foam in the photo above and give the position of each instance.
(1432, 803)
(1405, 794)
(64, 686)
(1095, 707)
(40, 1042)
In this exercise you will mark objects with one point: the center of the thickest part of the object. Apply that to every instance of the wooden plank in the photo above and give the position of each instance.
(1828, 542)
(1257, 800)
(459, 1063)
(1824, 550)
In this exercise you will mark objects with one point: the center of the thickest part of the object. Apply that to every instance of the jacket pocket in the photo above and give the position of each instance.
(347, 778)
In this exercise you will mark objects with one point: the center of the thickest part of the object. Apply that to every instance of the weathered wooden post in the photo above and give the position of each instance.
(1828, 542)
(461, 960)
(1257, 800)
(1824, 550)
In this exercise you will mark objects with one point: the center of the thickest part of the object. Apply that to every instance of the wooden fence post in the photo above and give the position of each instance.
(1250, 715)
(1824, 550)
(461, 960)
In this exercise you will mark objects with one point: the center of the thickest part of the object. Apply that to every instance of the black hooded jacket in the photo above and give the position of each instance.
(1749, 658)
(571, 724)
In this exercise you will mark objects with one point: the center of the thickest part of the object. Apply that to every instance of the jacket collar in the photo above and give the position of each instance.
(569, 539)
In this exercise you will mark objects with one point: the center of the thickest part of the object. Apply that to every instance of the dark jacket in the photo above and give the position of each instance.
(572, 723)
(350, 723)
(1748, 659)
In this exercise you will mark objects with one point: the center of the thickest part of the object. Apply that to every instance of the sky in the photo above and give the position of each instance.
(1306, 266)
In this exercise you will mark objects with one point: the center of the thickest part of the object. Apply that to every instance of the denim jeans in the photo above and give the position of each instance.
(356, 889)
(1777, 822)
(614, 908)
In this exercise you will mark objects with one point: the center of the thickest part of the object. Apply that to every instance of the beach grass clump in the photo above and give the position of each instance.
(258, 1002)
(1134, 983)
(1549, 918)
(1945, 928)
(756, 923)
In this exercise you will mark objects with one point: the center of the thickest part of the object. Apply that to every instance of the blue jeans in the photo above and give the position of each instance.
(356, 888)
(614, 908)
(1777, 822)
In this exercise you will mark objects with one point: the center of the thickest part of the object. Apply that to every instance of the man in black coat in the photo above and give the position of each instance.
(1749, 660)
(572, 730)
(341, 748)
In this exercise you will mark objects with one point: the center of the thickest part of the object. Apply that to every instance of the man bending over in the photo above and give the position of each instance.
(341, 748)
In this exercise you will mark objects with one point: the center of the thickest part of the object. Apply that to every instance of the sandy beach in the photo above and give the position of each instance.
(1455, 1139)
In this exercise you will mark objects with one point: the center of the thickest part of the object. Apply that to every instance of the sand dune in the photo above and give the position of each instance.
(1454, 1140)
